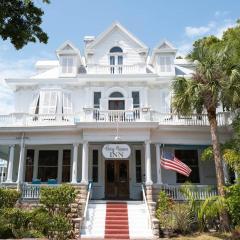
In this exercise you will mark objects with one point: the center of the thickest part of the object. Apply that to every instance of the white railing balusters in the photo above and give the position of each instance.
(198, 192)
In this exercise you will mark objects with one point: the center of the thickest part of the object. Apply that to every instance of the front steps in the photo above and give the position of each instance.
(116, 220)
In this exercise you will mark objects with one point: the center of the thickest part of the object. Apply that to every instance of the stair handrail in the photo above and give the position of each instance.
(147, 207)
(89, 193)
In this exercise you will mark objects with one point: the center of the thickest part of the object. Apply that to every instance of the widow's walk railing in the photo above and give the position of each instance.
(97, 115)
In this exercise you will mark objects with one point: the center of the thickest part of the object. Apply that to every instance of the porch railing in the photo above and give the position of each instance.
(32, 191)
(96, 115)
(184, 192)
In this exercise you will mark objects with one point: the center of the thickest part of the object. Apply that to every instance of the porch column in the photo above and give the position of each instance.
(10, 164)
(21, 164)
(85, 163)
(158, 162)
(148, 177)
(74, 163)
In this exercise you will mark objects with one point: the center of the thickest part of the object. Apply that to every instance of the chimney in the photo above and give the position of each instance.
(88, 40)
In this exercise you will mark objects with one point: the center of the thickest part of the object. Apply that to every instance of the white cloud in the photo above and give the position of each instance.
(221, 13)
(11, 69)
(198, 31)
(220, 30)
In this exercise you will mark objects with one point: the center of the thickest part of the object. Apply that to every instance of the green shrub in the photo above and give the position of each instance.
(182, 217)
(58, 199)
(233, 203)
(59, 228)
(8, 198)
(17, 220)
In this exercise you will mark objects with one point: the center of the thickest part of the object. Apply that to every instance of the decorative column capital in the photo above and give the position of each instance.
(12, 145)
(148, 141)
(76, 144)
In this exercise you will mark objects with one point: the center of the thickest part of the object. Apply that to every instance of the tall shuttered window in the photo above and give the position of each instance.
(29, 165)
(190, 158)
(95, 164)
(136, 99)
(96, 99)
(138, 162)
(67, 64)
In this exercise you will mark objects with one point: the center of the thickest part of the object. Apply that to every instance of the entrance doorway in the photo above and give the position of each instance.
(117, 179)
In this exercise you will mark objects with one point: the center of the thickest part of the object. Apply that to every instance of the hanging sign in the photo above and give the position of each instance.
(116, 151)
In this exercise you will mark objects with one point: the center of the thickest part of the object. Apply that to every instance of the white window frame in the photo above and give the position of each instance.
(67, 64)
(165, 64)
(48, 102)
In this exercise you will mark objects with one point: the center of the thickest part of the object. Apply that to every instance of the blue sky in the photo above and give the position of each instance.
(179, 21)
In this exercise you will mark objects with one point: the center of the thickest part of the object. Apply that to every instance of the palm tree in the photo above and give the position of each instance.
(214, 82)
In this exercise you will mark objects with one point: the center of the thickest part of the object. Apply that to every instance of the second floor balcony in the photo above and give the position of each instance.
(90, 115)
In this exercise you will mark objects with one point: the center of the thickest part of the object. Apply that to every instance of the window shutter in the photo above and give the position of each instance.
(33, 105)
(129, 104)
(103, 104)
(67, 103)
(48, 102)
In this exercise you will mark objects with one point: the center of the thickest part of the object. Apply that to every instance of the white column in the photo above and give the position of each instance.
(21, 163)
(74, 163)
(148, 177)
(159, 169)
(10, 164)
(85, 163)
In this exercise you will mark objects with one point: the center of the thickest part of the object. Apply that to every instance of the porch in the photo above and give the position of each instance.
(34, 166)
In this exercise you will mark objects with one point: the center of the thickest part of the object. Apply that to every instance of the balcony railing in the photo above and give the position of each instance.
(116, 69)
(125, 116)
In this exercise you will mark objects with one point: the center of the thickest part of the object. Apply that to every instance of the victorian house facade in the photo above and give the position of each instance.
(104, 116)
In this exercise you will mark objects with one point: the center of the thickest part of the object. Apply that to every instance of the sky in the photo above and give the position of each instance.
(179, 21)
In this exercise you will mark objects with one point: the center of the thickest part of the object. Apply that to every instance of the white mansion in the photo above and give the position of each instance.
(103, 115)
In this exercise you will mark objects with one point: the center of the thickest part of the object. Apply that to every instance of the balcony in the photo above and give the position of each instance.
(93, 115)
(116, 69)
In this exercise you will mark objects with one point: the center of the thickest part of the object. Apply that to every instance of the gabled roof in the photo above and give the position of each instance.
(69, 48)
(117, 25)
(163, 47)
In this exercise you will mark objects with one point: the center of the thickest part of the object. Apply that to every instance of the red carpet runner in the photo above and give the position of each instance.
(116, 224)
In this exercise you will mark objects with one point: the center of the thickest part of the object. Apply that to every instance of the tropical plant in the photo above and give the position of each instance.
(215, 82)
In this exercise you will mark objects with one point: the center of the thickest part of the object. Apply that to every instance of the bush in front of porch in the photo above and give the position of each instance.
(50, 220)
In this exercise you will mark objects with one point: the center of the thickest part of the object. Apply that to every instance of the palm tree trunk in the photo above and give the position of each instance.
(224, 218)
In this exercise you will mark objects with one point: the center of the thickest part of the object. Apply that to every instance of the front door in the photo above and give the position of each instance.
(117, 179)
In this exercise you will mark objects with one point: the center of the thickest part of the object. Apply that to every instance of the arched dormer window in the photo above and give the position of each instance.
(116, 60)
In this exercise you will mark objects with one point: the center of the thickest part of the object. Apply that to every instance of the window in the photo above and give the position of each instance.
(95, 162)
(138, 160)
(66, 165)
(29, 165)
(116, 95)
(47, 165)
(116, 60)
(136, 100)
(165, 63)
(96, 99)
(67, 64)
(190, 158)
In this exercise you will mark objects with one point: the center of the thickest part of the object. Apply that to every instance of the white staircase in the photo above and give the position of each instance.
(94, 225)
(139, 228)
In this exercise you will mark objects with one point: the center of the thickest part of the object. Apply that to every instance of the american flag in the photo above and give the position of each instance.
(170, 162)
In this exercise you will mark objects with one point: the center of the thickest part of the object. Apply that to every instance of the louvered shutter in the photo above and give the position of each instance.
(67, 103)
(104, 104)
(129, 104)
(48, 102)
(33, 105)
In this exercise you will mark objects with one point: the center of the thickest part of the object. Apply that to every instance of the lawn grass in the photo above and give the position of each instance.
(205, 236)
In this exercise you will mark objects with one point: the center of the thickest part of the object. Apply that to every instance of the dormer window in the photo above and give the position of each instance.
(165, 63)
(67, 64)
(116, 60)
